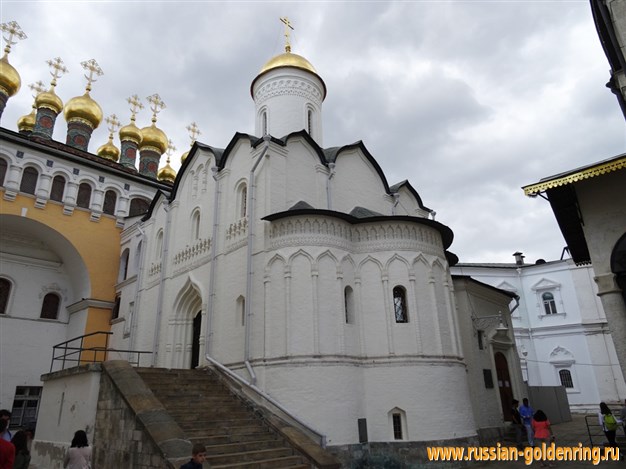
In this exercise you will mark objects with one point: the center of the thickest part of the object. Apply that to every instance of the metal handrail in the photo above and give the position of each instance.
(76, 354)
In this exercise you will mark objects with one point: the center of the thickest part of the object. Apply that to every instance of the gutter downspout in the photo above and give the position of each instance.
(251, 226)
(164, 258)
(216, 223)
(331, 173)
(133, 322)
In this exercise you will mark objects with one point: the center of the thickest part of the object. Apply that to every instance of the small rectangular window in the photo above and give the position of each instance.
(397, 426)
(481, 339)
(115, 313)
(488, 377)
(25, 406)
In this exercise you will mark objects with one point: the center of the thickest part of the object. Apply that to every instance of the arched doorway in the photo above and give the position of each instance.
(195, 341)
(504, 384)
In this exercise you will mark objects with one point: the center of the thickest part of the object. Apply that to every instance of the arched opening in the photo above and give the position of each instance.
(84, 195)
(348, 300)
(565, 376)
(549, 305)
(110, 200)
(123, 272)
(504, 384)
(618, 264)
(242, 200)
(50, 306)
(3, 171)
(58, 188)
(195, 225)
(138, 206)
(195, 342)
(400, 305)
(29, 180)
(5, 293)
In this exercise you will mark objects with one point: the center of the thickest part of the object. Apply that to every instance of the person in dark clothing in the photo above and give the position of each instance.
(516, 421)
(198, 456)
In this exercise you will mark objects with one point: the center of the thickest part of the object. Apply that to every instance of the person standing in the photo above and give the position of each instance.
(527, 412)
(6, 415)
(542, 431)
(517, 424)
(79, 454)
(622, 416)
(22, 455)
(608, 422)
(198, 456)
(7, 450)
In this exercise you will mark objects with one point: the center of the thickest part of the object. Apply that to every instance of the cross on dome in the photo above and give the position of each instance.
(135, 106)
(288, 26)
(94, 69)
(156, 105)
(170, 149)
(57, 69)
(113, 123)
(194, 132)
(14, 31)
(37, 87)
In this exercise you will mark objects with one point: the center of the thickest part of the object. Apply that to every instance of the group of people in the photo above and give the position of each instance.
(15, 448)
(538, 427)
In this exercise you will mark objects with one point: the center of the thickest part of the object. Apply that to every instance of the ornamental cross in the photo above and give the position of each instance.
(114, 124)
(170, 149)
(37, 87)
(93, 68)
(57, 69)
(288, 26)
(194, 131)
(14, 31)
(135, 106)
(156, 105)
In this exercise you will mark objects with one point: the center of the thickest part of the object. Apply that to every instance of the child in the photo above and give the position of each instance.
(198, 456)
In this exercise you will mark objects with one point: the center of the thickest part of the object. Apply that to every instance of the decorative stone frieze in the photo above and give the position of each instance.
(189, 253)
(292, 87)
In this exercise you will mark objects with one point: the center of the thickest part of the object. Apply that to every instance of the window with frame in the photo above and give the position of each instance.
(50, 306)
(58, 188)
(400, 305)
(397, 426)
(123, 273)
(115, 312)
(25, 406)
(110, 200)
(84, 195)
(348, 297)
(5, 293)
(549, 305)
(138, 206)
(481, 339)
(195, 225)
(242, 200)
(3, 171)
(28, 183)
(566, 378)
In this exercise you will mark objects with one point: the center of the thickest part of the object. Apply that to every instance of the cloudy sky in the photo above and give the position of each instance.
(469, 100)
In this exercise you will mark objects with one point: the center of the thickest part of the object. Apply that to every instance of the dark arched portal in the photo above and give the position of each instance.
(195, 344)
(618, 264)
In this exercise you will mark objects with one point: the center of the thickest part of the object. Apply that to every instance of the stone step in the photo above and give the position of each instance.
(234, 438)
(194, 432)
(249, 456)
(290, 462)
(205, 417)
(218, 421)
(244, 446)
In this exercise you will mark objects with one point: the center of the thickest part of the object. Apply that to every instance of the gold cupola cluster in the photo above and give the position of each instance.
(167, 173)
(26, 123)
(152, 136)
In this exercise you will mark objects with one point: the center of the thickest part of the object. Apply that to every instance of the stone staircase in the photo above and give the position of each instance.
(234, 433)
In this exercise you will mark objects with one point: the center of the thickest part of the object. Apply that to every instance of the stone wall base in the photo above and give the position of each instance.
(406, 455)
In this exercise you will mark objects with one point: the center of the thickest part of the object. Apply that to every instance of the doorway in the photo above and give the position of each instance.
(504, 384)
(195, 343)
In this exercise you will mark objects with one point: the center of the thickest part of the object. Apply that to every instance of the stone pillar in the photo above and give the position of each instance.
(613, 303)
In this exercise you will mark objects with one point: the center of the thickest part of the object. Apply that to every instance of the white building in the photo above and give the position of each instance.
(560, 328)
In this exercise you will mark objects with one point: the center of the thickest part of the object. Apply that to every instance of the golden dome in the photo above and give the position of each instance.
(109, 151)
(50, 100)
(27, 123)
(167, 173)
(287, 59)
(184, 157)
(131, 132)
(152, 136)
(84, 108)
(10, 80)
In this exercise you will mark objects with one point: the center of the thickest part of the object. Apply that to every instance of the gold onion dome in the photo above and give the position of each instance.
(109, 151)
(50, 100)
(152, 136)
(184, 156)
(167, 173)
(27, 123)
(131, 132)
(284, 60)
(10, 80)
(83, 108)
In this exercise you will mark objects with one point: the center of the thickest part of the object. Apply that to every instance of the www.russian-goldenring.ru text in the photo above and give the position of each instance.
(529, 455)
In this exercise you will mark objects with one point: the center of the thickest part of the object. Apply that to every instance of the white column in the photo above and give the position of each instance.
(388, 317)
